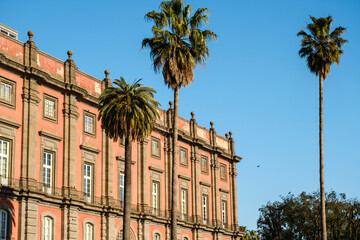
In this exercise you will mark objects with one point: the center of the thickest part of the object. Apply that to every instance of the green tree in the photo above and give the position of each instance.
(299, 218)
(251, 235)
(177, 46)
(128, 110)
(321, 48)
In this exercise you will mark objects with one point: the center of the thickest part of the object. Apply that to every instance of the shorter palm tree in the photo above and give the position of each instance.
(128, 110)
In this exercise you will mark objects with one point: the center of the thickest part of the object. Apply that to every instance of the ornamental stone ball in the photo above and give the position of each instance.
(107, 72)
(69, 53)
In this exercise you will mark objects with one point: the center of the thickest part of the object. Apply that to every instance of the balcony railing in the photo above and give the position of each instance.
(11, 184)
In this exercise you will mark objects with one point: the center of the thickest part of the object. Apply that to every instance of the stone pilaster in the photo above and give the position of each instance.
(142, 174)
(73, 223)
(195, 171)
(107, 155)
(31, 100)
(168, 158)
(31, 219)
(70, 125)
(146, 234)
(215, 188)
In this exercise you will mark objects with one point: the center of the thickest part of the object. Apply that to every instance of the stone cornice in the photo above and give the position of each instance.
(9, 121)
(49, 134)
(90, 148)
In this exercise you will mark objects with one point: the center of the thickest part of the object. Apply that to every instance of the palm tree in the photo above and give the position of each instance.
(321, 48)
(177, 46)
(128, 111)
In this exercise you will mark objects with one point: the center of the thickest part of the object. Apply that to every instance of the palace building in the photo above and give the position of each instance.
(61, 177)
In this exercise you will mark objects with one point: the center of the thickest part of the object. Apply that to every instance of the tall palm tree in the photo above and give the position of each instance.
(177, 46)
(321, 48)
(128, 110)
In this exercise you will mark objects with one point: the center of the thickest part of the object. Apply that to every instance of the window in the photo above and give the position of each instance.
(183, 202)
(183, 157)
(47, 229)
(87, 180)
(156, 236)
(224, 212)
(89, 123)
(205, 208)
(155, 147)
(204, 164)
(7, 92)
(89, 231)
(3, 224)
(185, 238)
(47, 171)
(122, 186)
(155, 203)
(4, 160)
(50, 108)
(120, 235)
(223, 172)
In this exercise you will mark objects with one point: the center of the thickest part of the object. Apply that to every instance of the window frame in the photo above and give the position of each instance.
(93, 117)
(155, 235)
(157, 183)
(3, 211)
(92, 233)
(48, 188)
(206, 171)
(186, 163)
(51, 227)
(206, 206)
(158, 154)
(12, 102)
(223, 178)
(48, 97)
(88, 197)
(7, 176)
(186, 200)
(121, 185)
(224, 212)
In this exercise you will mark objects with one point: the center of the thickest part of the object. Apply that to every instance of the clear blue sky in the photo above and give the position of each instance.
(254, 83)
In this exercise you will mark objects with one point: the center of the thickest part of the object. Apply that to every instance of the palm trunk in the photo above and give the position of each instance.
(127, 190)
(174, 167)
(321, 147)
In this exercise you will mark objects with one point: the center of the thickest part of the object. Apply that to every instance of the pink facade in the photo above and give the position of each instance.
(62, 177)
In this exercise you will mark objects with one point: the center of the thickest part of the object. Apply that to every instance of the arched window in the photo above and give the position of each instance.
(88, 231)
(156, 236)
(3, 224)
(185, 238)
(47, 228)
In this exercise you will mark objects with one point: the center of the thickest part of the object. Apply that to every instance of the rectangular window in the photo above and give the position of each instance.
(224, 212)
(47, 169)
(205, 208)
(4, 160)
(204, 164)
(89, 123)
(155, 147)
(155, 195)
(7, 92)
(223, 172)
(87, 179)
(183, 157)
(122, 186)
(183, 202)
(50, 108)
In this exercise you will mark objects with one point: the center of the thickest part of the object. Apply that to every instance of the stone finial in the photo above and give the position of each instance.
(69, 53)
(226, 135)
(171, 104)
(212, 124)
(230, 134)
(107, 72)
(30, 34)
(192, 115)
